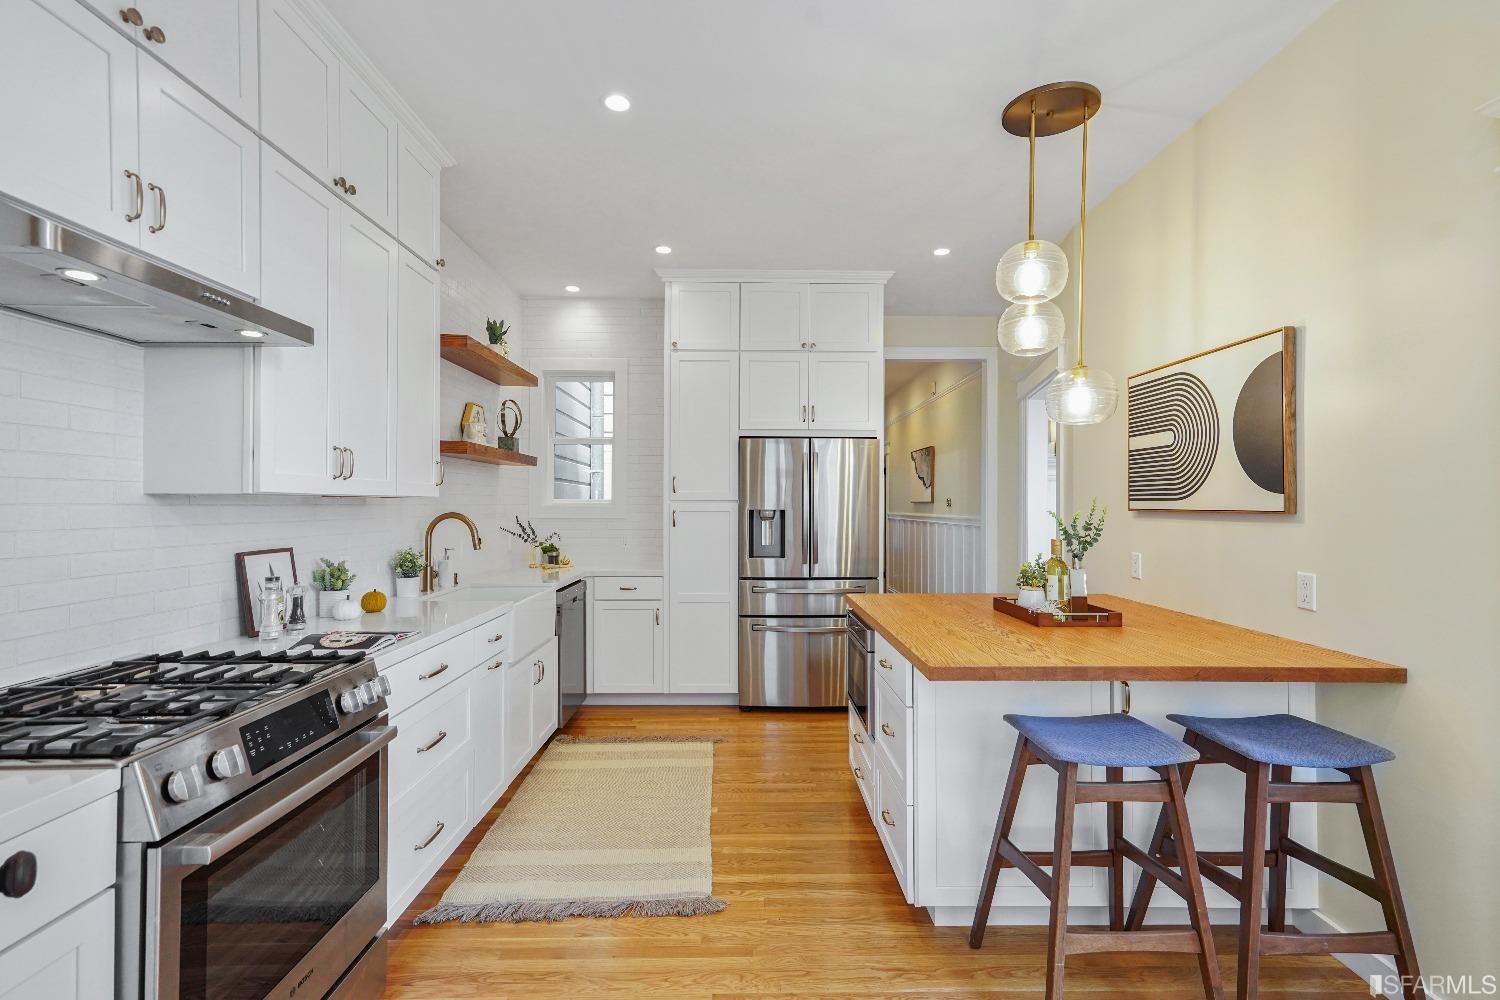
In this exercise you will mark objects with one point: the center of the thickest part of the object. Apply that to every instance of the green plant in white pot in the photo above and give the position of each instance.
(1031, 584)
(407, 565)
(333, 580)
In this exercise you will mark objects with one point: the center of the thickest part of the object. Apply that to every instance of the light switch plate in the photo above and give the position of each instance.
(1307, 591)
(1135, 565)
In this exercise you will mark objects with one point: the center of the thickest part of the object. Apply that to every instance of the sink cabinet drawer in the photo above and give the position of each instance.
(425, 673)
(891, 723)
(427, 737)
(75, 859)
(627, 588)
(491, 640)
(893, 668)
(893, 818)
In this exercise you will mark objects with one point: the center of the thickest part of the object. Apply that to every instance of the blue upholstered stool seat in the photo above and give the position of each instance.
(1288, 740)
(1115, 740)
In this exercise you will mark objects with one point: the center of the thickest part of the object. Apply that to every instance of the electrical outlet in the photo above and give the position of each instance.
(1307, 591)
(1135, 565)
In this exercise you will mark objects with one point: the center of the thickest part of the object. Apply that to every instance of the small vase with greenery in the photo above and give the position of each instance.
(333, 580)
(551, 554)
(1031, 583)
(527, 533)
(407, 565)
(497, 332)
(1078, 536)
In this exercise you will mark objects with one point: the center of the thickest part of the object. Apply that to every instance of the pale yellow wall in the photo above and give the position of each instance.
(945, 409)
(1349, 189)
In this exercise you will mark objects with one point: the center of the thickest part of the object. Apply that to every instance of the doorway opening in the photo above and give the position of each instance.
(1041, 466)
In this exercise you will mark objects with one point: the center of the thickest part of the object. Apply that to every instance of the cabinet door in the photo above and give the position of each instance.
(300, 241)
(544, 696)
(627, 647)
(212, 43)
(416, 378)
(362, 363)
(69, 117)
(705, 316)
(773, 316)
(299, 90)
(845, 392)
(72, 958)
(702, 654)
(367, 150)
(773, 391)
(204, 214)
(705, 422)
(520, 678)
(489, 771)
(417, 179)
(846, 317)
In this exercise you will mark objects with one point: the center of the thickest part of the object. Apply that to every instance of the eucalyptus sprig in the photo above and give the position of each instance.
(1032, 574)
(1082, 533)
(525, 532)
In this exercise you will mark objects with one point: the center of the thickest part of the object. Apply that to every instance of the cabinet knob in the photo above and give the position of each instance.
(885, 727)
(341, 184)
(155, 34)
(440, 262)
(885, 817)
(859, 774)
(804, 345)
(351, 188)
(131, 16)
(18, 874)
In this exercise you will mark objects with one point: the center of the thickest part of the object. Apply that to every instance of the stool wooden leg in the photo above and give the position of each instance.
(1062, 869)
(1253, 877)
(1378, 843)
(1281, 824)
(1115, 812)
(1139, 903)
(1182, 835)
(1003, 822)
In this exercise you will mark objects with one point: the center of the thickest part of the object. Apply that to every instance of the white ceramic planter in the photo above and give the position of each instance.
(1031, 598)
(327, 599)
(408, 586)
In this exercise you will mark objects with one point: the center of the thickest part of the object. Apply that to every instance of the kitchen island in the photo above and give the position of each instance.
(932, 753)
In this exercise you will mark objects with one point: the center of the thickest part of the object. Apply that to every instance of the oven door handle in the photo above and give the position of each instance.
(196, 852)
(815, 630)
(758, 589)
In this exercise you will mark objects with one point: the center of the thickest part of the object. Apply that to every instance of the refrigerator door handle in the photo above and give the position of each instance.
(759, 589)
(812, 630)
(812, 510)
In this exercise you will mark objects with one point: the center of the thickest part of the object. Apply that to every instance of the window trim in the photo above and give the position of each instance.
(550, 370)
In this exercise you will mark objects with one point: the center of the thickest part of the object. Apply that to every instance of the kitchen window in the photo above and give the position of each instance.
(583, 404)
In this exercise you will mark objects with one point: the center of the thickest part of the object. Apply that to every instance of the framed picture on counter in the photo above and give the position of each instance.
(252, 569)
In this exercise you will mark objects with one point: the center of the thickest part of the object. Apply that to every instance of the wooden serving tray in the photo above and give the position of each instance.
(1094, 617)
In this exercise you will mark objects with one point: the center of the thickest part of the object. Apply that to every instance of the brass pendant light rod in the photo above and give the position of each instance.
(1031, 175)
(1083, 215)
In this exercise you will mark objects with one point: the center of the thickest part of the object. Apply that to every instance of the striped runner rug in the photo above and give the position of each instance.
(601, 827)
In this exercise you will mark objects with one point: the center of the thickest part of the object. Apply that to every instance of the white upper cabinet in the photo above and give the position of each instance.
(845, 392)
(774, 316)
(417, 185)
(299, 89)
(211, 42)
(202, 174)
(704, 316)
(300, 227)
(367, 150)
(773, 392)
(704, 423)
(362, 362)
(69, 116)
(846, 317)
(416, 377)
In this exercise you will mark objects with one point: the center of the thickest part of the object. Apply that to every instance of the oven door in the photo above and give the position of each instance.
(276, 895)
(859, 657)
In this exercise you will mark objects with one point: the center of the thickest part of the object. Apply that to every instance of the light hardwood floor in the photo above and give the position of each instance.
(813, 908)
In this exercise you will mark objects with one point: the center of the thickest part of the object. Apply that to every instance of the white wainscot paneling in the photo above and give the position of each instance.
(934, 555)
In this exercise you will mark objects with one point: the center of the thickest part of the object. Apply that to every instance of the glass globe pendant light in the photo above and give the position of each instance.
(1033, 270)
(1082, 395)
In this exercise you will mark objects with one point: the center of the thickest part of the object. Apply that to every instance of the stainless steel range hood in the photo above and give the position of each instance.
(52, 272)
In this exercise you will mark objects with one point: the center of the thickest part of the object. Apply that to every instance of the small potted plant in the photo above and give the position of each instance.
(407, 565)
(551, 554)
(497, 332)
(1031, 584)
(1078, 536)
(526, 532)
(332, 580)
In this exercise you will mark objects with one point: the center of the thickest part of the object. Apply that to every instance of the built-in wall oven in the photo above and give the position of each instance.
(860, 656)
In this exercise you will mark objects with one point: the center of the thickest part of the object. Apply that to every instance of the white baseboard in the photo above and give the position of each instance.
(662, 699)
(1367, 967)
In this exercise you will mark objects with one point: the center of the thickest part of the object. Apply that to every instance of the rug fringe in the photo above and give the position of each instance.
(520, 911)
(564, 738)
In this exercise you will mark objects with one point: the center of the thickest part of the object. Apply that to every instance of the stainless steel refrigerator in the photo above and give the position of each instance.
(809, 526)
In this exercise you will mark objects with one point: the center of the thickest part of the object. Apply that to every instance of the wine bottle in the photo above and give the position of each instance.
(1057, 579)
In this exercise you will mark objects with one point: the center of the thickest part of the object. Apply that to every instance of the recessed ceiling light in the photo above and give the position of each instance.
(570, 288)
(941, 252)
(77, 274)
(663, 249)
(252, 334)
(617, 102)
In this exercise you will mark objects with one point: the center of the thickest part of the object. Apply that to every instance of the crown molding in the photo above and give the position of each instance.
(343, 43)
(814, 277)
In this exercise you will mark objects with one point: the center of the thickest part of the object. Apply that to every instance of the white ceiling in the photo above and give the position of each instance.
(791, 133)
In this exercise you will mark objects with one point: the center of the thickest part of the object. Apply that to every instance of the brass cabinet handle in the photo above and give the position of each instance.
(536, 670)
(442, 473)
(496, 637)
(804, 413)
(885, 727)
(155, 34)
(658, 616)
(161, 208)
(341, 184)
(859, 774)
(674, 484)
(630, 588)
(674, 519)
(440, 262)
(131, 16)
(885, 663)
(674, 345)
(544, 670)
(858, 738)
(351, 463)
(885, 817)
(1125, 697)
(428, 842)
(815, 413)
(338, 454)
(140, 194)
(432, 673)
(441, 736)
(496, 665)
(351, 188)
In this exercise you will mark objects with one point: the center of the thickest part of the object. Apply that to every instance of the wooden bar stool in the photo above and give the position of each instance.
(1266, 748)
(1113, 742)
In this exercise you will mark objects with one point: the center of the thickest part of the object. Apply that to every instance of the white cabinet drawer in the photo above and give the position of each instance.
(492, 639)
(75, 859)
(893, 818)
(891, 732)
(70, 959)
(864, 776)
(894, 668)
(425, 829)
(429, 671)
(427, 737)
(627, 588)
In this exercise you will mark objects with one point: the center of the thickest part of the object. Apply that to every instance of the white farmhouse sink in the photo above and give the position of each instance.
(533, 615)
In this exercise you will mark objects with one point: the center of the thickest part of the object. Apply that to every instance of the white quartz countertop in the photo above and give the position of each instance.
(31, 795)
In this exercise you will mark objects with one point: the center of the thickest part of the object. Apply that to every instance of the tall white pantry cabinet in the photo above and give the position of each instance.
(755, 353)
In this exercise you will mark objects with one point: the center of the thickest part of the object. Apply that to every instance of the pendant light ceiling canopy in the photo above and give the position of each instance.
(1033, 272)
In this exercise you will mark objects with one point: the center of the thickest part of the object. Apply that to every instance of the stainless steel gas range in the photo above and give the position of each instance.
(252, 855)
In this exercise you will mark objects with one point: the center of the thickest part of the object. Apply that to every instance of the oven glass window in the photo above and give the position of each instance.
(248, 919)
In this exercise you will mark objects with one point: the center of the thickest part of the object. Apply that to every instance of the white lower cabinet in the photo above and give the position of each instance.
(628, 647)
(544, 697)
(490, 776)
(703, 609)
(425, 826)
(72, 958)
(520, 678)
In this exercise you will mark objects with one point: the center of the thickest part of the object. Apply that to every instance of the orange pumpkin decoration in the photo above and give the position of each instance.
(373, 602)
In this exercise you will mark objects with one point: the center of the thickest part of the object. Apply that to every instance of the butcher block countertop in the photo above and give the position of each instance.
(961, 637)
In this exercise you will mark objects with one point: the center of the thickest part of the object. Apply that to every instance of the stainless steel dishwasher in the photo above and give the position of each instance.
(572, 649)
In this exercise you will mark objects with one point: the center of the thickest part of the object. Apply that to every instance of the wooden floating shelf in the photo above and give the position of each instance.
(485, 453)
(471, 355)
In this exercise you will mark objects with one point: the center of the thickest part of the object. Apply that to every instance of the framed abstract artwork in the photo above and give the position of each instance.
(251, 569)
(924, 473)
(1217, 431)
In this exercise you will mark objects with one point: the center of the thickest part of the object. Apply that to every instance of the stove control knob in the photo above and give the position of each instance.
(351, 701)
(184, 785)
(227, 763)
(371, 692)
(385, 685)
